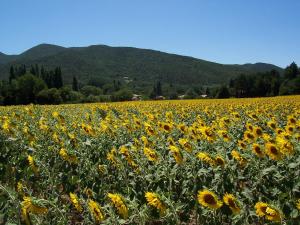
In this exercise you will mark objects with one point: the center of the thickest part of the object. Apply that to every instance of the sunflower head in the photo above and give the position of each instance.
(209, 199)
(273, 152)
(272, 124)
(261, 208)
(203, 156)
(248, 136)
(219, 161)
(265, 210)
(231, 201)
(292, 120)
(242, 144)
(257, 132)
(273, 214)
(257, 150)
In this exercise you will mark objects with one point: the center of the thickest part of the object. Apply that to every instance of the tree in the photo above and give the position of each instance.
(158, 89)
(153, 93)
(190, 94)
(223, 92)
(28, 86)
(97, 81)
(49, 96)
(12, 74)
(91, 90)
(75, 84)
(291, 71)
(57, 78)
(290, 87)
(122, 95)
(37, 70)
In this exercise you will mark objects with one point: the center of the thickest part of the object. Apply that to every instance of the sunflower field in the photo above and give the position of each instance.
(234, 161)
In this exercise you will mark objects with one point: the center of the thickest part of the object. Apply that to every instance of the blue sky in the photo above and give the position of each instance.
(224, 31)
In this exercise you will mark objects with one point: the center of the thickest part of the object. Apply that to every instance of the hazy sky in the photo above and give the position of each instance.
(225, 31)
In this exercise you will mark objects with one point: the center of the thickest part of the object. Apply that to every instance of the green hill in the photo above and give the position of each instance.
(141, 66)
(6, 58)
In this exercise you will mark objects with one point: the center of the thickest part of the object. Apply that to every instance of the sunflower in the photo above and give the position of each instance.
(145, 141)
(29, 205)
(273, 214)
(20, 188)
(150, 154)
(182, 127)
(272, 124)
(167, 127)
(171, 141)
(257, 132)
(279, 131)
(68, 157)
(95, 210)
(236, 155)
(185, 144)
(292, 120)
(154, 200)
(75, 202)
(248, 136)
(208, 133)
(206, 158)
(224, 135)
(176, 154)
(249, 126)
(298, 204)
(118, 202)
(273, 152)
(242, 144)
(32, 164)
(231, 201)
(261, 208)
(286, 147)
(111, 156)
(209, 199)
(150, 131)
(265, 210)
(290, 129)
(257, 150)
(219, 161)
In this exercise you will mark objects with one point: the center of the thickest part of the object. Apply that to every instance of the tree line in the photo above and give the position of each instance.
(38, 85)
(265, 84)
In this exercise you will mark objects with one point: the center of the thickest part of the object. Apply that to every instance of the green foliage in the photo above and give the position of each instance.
(290, 87)
(91, 90)
(49, 96)
(190, 94)
(223, 92)
(28, 86)
(256, 85)
(122, 95)
(75, 84)
(291, 71)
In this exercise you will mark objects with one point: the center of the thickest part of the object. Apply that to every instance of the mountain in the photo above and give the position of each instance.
(40, 51)
(141, 66)
(6, 58)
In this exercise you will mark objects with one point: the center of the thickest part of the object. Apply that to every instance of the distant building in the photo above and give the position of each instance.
(181, 96)
(160, 97)
(203, 96)
(136, 97)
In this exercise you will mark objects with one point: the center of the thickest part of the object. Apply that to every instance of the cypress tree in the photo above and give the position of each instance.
(11, 74)
(158, 89)
(57, 78)
(75, 84)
